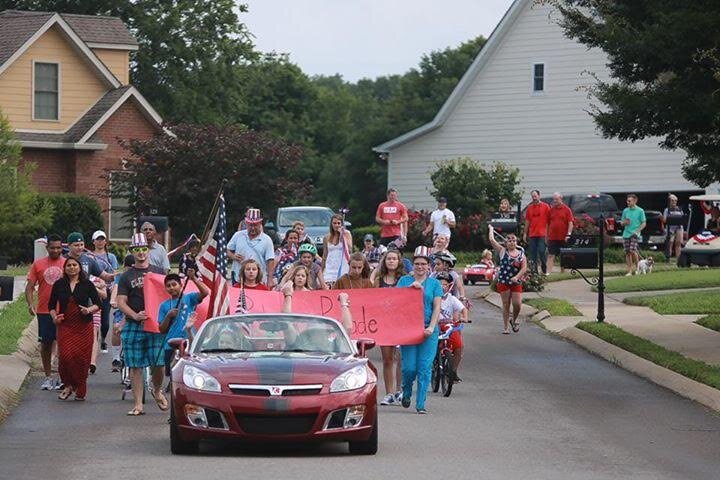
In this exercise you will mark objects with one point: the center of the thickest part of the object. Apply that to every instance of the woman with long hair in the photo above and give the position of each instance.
(298, 277)
(251, 275)
(675, 232)
(389, 271)
(511, 270)
(358, 276)
(286, 254)
(337, 245)
(72, 303)
(109, 263)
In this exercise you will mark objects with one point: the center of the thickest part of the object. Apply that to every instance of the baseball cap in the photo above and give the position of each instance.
(442, 200)
(98, 234)
(75, 237)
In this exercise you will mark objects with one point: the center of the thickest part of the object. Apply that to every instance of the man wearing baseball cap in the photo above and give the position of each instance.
(441, 220)
(252, 243)
(76, 250)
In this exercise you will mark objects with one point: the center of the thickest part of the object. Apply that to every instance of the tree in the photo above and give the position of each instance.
(664, 65)
(472, 188)
(23, 216)
(191, 52)
(179, 175)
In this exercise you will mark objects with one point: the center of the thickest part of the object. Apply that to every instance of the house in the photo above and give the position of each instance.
(64, 86)
(522, 102)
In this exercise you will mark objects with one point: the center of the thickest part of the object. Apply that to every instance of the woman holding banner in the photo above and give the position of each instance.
(336, 251)
(417, 359)
(387, 275)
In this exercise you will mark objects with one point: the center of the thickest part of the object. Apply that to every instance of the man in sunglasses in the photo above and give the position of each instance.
(142, 349)
(157, 255)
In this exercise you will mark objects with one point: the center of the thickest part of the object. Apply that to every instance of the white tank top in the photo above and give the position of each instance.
(335, 263)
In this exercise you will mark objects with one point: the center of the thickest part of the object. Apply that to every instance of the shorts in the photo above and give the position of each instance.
(385, 241)
(47, 331)
(504, 287)
(141, 348)
(630, 244)
(554, 246)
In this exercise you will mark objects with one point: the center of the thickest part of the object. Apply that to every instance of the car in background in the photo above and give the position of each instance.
(273, 378)
(479, 272)
(316, 220)
(702, 249)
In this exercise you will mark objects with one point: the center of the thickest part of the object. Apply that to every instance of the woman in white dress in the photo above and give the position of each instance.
(337, 246)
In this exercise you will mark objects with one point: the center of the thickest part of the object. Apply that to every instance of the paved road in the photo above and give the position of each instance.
(531, 406)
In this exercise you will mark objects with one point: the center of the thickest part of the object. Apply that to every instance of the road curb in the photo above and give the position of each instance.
(15, 368)
(683, 386)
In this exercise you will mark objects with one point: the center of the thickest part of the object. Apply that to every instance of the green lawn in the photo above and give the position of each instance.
(555, 306)
(15, 271)
(14, 318)
(696, 370)
(613, 270)
(711, 321)
(668, 280)
(679, 303)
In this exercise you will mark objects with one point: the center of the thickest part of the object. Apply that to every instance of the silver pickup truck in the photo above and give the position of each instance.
(316, 220)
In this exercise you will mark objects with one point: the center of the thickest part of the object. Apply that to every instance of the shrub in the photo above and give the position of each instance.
(360, 232)
(73, 213)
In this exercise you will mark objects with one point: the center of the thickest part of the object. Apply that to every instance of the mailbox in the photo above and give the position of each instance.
(504, 222)
(579, 258)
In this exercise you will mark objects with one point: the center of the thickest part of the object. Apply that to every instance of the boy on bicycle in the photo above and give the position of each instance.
(452, 313)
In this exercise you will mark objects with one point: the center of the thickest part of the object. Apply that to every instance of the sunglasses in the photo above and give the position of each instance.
(139, 249)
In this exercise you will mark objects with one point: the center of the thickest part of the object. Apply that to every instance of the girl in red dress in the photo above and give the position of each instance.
(72, 303)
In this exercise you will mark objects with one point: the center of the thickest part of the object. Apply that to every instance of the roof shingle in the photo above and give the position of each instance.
(16, 28)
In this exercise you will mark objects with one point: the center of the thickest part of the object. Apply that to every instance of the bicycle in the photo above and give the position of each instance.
(443, 372)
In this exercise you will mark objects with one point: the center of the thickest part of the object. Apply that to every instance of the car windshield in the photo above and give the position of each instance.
(271, 333)
(311, 218)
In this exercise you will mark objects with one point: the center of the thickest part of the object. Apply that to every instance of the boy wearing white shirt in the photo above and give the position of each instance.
(441, 220)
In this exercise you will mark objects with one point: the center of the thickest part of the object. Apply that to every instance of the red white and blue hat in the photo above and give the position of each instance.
(138, 240)
(422, 251)
(253, 216)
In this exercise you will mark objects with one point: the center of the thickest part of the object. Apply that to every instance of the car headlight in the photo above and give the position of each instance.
(353, 379)
(200, 380)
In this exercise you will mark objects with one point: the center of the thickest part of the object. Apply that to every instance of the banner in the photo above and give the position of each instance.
(391, 316)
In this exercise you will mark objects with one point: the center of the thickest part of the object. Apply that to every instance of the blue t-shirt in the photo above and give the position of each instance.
(431, 290)
(636, 216)
(260, 249)
(188, 304)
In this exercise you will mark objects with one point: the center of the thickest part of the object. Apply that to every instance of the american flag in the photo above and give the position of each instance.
(212, 264)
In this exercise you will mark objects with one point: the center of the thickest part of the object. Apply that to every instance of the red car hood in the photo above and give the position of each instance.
(276, 368)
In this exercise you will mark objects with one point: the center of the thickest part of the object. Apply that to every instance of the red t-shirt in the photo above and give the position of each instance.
(45, 272)
(259, 286)
(537, 216)
(390, 211)
(560, 217)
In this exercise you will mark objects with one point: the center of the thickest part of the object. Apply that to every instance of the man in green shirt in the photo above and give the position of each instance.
(633, 218)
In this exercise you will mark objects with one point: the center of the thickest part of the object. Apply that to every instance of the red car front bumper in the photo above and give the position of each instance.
(275, 418)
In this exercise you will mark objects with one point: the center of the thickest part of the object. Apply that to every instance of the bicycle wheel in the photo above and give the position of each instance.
(448, 374)
(435, 379)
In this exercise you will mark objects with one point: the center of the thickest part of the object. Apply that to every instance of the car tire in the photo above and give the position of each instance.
(465, 282)
(473, 282)
(366, 447)
(178, 446)
(683, 260)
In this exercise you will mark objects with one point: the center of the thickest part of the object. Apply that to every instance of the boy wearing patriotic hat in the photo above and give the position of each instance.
(252, 243)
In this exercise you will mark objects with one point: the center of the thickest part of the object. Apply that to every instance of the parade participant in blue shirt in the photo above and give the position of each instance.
(174, 312)
(417, 359)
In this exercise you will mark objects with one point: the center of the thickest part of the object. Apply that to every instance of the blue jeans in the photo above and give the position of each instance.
(417, 362)
(537, 253)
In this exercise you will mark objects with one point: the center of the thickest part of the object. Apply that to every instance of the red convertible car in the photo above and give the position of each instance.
(480, 272)
(273, 377)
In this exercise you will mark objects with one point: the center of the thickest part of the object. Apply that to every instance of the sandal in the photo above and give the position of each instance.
(515, 326)
(65, 394)
(506, 332)
(79, 399)
(160, 400)
(135, 412)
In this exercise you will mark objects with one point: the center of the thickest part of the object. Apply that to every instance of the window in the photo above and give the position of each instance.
(539, 77)
(46, 98)
(121, 225)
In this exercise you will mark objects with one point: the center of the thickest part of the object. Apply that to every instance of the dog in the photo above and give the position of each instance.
(645, 266)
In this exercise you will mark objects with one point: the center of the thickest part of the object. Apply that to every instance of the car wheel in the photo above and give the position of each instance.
(178, 446)
(683, 261)
(367, 447)
(465, 282)
(473, 282)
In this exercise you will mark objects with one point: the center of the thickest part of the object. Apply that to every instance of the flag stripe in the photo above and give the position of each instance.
(212, 264)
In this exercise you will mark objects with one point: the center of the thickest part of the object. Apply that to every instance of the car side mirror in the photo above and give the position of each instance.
(347, 224)
(364, 344)
(179, 344)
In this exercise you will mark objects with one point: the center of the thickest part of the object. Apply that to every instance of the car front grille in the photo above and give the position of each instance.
(275, 424)
(304, 391)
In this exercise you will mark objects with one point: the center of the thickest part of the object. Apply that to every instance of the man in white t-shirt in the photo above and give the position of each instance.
(441, 220)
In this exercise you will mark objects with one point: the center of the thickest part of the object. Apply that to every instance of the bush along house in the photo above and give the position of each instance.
(64, 87)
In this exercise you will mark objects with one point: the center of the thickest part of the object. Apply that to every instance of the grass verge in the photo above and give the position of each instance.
(668, 280)
(694, 369)
(15, 271)
(555, 306)
(14, 318)
(711, 321)
(679, 303)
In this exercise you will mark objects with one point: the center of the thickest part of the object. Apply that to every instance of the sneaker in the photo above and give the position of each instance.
(116, 364)
(103, 347)
(398, 397)
(389, 399)
(48, 384)
(405, 402)
(422, 411)
(59, 385)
